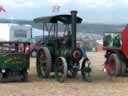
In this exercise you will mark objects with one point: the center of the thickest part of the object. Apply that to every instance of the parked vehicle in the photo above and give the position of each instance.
(60, 54)
(15, 32)
(14, 61)
(36, 43)
(116, 46)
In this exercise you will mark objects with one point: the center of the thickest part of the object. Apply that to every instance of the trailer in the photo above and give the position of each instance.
(116, 46)
(15, 32)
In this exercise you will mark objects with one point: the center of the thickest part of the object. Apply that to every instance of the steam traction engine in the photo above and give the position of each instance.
(116, 46)
(59, 54)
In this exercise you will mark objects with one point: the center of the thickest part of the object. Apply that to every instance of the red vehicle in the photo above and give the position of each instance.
(35, 44)
(116, 46)
(33, 49)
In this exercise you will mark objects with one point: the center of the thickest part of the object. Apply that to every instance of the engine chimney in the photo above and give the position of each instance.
(74, 27)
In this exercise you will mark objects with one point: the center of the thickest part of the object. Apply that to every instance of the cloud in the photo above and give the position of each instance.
(95, 3)
(59, 2)
(19, 3)
(32, 3)
(102, 3)
(80, 3)
(122, 2)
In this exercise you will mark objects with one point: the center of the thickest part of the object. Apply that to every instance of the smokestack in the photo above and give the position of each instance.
(74, 27)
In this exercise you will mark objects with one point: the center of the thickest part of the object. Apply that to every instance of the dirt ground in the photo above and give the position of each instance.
(102, 85)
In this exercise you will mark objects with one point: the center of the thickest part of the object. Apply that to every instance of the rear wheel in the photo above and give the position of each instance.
(61, 69)
(114, 65)
(86, 70)
(43, 63)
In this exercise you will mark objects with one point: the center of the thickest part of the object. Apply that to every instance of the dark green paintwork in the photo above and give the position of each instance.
(23, 61)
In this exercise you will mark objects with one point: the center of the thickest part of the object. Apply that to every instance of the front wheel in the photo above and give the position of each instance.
(86, 70)
(61, 69)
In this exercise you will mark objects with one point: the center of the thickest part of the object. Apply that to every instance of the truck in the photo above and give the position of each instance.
(116, 46)
(15, 32)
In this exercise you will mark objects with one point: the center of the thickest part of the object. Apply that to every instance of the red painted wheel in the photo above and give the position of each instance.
(114, 65)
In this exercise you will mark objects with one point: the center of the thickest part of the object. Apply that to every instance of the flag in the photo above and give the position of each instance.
(2, 9)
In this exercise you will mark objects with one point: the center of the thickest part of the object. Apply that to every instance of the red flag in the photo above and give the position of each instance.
(2, 9)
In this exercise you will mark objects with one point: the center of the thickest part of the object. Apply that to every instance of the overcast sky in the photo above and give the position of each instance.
(92, 11)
